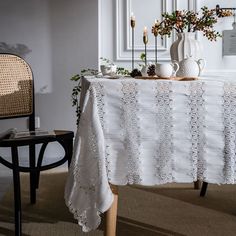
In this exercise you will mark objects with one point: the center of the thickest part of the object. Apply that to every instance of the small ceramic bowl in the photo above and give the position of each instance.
(108, 70)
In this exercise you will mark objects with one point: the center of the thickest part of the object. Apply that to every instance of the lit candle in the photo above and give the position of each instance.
(132, 16)
(155, 32)
(132, 23)
(145, 33)
(145, 41)
(132, 20)
(157, 23)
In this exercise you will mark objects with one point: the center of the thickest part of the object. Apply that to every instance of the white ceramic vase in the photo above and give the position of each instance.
(185, 46)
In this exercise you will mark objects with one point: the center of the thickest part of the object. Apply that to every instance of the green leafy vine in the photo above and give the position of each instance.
(75, 95)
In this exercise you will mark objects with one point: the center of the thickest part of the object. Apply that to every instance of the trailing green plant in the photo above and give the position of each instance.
(122, 71)
(75, 101)
(77, 89)
(75, 95)
(143, 57)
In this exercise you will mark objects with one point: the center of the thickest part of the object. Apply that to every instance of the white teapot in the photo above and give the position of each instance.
(190, 68)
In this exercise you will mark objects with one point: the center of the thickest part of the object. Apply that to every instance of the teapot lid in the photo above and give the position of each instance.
(188, 61)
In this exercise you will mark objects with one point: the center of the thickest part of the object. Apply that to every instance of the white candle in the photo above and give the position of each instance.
(145, 31)
(156, 22)
(132, 16)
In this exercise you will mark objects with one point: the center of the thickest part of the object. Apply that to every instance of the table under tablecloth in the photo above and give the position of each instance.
(149, 132)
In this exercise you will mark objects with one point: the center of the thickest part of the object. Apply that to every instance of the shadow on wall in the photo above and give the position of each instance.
(17, 49)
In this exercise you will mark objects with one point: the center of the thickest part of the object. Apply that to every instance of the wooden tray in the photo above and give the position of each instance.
(170, 78)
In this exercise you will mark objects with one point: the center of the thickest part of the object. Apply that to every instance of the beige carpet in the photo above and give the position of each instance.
(168, 210)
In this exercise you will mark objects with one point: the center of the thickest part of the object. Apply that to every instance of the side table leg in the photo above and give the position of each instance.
(17, 193)
(33, 174)
(111, 214)
(69, 150)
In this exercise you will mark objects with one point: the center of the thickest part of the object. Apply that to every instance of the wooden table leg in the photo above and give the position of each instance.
(204, 189)
(111, 214)
(197, 184)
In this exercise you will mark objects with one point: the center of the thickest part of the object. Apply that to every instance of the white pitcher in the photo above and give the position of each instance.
(166, 70)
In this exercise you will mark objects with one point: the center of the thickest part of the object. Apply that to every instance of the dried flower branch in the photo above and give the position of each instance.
(190, 21)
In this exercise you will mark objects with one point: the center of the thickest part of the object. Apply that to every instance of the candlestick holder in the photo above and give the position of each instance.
(132, 23)
(145, 41)
(155, 49)
(155, 32)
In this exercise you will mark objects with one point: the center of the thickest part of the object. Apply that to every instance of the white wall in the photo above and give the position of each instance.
(112, 37)
(74, 33)
(27, 22)
(63, 37)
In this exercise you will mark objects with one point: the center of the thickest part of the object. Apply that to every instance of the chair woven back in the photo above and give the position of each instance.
(16, 87)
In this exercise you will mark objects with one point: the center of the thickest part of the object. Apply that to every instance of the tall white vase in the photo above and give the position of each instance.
(185, 46)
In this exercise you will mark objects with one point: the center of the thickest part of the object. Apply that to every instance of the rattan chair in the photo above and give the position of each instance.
(17, 100)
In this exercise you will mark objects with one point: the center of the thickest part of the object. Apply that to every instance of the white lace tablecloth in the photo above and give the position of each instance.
(149, 132)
